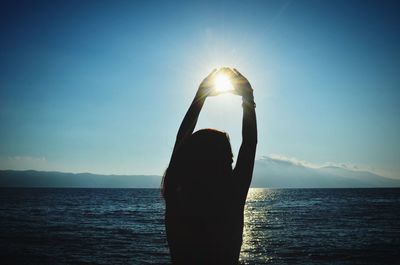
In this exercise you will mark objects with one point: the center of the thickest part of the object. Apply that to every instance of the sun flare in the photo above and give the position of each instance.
(222, 83)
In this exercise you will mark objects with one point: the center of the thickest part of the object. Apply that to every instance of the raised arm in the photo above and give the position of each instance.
(189, 121)
(245, 162)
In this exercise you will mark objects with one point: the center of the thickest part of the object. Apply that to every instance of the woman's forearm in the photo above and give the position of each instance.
(190, 120)
(249, 124)
(245, 162)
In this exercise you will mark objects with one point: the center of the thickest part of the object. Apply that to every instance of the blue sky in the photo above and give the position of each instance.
(102, 86)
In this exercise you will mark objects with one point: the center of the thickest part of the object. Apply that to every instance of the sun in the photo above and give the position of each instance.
(222, 83)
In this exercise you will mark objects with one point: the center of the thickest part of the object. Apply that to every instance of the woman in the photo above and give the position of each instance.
(204, 197)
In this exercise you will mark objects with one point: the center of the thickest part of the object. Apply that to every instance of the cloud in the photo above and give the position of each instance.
(23, 162)
(282, 159)
(27, 158)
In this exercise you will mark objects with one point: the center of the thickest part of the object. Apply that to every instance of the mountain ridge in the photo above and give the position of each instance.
(268, 173)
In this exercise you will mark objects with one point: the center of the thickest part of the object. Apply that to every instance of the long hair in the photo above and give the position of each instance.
(201, 165)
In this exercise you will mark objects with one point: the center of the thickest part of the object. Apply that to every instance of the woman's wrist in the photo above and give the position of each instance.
(248, 101)
(248, 96)
(199, 97)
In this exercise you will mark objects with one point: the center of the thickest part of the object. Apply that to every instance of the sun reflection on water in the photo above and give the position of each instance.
(255, 223)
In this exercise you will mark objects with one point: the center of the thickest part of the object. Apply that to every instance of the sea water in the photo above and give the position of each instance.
(126, 226)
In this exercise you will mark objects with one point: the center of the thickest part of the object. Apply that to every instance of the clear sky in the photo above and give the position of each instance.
(102, 86)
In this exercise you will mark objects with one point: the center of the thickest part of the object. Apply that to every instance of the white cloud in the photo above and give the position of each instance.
(278, 158)
(290, 160)
(27, 158)
(23, 162)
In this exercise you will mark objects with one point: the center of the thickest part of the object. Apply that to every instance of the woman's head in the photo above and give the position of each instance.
(203, 163)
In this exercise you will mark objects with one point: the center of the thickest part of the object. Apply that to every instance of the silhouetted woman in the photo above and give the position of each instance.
(204, 197)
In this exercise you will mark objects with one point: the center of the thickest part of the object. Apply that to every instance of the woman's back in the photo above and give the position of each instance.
(207, 231)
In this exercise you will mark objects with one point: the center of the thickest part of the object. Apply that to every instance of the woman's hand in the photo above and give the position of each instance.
(206, 87)
(242, 86)
(240, 83)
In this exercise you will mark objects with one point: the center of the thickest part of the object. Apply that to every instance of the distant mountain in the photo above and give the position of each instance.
(268, 173)
(32, 178)
(277, 173)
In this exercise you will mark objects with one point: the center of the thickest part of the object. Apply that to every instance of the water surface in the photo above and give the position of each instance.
(126, 226)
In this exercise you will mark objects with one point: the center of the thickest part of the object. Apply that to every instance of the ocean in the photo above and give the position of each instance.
(126, 226)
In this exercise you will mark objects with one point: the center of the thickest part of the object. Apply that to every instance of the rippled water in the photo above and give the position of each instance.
(322, 226)
(125, 226)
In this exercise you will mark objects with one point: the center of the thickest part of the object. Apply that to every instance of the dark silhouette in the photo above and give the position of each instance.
(204, 197)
